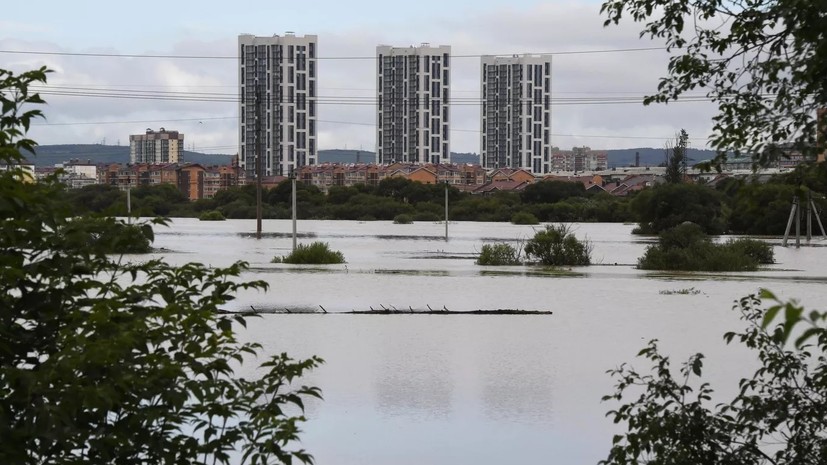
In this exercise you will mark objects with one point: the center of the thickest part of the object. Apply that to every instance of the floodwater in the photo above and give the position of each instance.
(477, 389)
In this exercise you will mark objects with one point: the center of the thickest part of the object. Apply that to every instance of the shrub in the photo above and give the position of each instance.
(317, 253)
(556, 245)
(499, 255)
(669, 205)
(688, 248)
(524, 218)
(212, 215)
(759, 250)
(402, 218)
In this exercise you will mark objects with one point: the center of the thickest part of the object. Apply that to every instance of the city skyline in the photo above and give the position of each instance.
(596, 95)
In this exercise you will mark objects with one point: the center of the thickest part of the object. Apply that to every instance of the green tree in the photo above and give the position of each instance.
(777, 417)
(103, 362)
(762, 62)
(551, 191)
(669, 205)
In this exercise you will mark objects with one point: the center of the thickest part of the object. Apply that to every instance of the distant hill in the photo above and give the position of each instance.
(367, 156)
(346, 156)
(653, 157)
(50, 155)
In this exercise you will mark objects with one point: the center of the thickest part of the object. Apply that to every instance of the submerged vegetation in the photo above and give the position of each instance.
(687, 248)
(500, 254)
(316, 253)
(556, 245)
(402, 218)
(211, 215)
(524, 218)
(684, 291)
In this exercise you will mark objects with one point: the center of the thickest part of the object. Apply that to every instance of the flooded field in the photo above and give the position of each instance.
(482, 389)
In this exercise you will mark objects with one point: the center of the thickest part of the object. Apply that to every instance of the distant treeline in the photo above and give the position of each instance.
(736, 206)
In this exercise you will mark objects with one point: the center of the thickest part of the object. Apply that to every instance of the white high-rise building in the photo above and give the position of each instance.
(156, 147)
(413, 118)
(277, 78)
(516, 113)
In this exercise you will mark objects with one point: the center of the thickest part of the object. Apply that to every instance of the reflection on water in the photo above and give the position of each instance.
(494, 389)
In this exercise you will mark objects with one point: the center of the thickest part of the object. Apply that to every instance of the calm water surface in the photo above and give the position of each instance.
(457, 389)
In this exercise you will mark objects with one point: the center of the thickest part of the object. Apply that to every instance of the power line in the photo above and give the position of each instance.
(227, 57)
(353, 100)
(80, 123)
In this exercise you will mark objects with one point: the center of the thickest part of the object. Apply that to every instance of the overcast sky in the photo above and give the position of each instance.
(208, 28)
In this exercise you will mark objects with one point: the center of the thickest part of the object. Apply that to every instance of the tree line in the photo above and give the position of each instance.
(735, 205)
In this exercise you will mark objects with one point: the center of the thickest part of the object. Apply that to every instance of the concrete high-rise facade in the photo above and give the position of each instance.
(277, 103)
(413, 117)
(515, 119)
(156, 147)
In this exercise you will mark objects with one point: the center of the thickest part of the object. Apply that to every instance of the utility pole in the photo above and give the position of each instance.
(258, 162)
(446, 211)
(128, 204)
(293, 179)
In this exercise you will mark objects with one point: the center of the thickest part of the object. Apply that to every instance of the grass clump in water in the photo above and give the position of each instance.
(687, 248)
(500, 254)
(316, 253)
(556, 245)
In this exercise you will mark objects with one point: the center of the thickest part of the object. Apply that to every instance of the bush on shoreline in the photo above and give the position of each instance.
(316, 253)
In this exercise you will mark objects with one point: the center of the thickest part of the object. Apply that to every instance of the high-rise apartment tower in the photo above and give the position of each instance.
(413, 118)
(516, 113)
(277, 103)
(156, 147)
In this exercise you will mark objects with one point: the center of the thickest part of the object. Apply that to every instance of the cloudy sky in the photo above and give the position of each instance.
(190, 82)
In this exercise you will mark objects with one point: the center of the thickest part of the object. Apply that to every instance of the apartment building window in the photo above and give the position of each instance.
(548, 68)
(445, 60)
(290, 54)
(312, 108)
(302, 120)
(311, 69)
(313, 127)
(312, 147)
(290, 115)
(290, 133)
